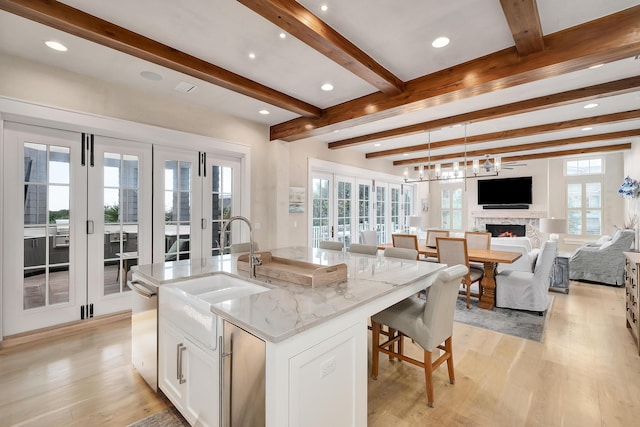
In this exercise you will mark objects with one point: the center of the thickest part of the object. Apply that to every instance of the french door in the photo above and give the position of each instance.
(194, 192)
(341, 208)
(73, 224)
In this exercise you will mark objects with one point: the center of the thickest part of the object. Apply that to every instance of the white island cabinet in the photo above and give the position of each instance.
(315, 339)
(188, 375)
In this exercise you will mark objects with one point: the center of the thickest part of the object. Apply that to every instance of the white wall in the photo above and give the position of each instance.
(632, 169)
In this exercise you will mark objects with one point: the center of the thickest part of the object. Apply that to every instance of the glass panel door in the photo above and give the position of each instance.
(364, 206)
(321, 200)
(381, 214)
(176, 211)
(119, 200)
(345, 229)
(44, 281)
(223, 184)
(397, 220)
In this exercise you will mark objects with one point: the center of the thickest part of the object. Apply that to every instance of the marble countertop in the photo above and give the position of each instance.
(287, 309)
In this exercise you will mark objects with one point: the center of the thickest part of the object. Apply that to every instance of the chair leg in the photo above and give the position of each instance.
(468, 286)
(448, 346)
(428, 376)
(375, 341)
(392, 332)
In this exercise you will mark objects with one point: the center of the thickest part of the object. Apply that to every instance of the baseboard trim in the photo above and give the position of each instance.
(60, 330)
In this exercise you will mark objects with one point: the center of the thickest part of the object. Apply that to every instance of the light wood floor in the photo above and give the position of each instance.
(585, 373)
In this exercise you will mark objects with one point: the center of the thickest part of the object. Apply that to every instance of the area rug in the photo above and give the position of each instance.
(169, 417)
(523, 324)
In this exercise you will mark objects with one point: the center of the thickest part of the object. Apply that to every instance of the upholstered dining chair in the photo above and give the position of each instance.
(363, 249)
(477, 240)
(452, 251)
(429, 323)
(369, 237)
(331, 245)
(433, 234)
(239, 248)
(403, 253)
(431, 241)
(405, 241)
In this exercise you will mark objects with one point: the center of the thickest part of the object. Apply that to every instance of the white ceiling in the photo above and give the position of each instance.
(397, 34)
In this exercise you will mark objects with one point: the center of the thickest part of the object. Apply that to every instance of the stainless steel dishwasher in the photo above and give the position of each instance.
(144, 330)
(242, 378)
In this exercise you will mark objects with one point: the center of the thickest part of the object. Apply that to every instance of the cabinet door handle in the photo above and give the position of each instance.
(180, 349)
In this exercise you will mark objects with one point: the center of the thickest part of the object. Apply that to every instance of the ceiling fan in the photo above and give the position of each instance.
(489, 166)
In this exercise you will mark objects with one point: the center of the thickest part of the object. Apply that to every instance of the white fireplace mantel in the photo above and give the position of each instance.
(500, 213)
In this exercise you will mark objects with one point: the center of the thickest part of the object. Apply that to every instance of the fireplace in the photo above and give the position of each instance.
(507, 230)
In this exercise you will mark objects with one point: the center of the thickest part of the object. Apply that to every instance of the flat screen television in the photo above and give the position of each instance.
(506, 192)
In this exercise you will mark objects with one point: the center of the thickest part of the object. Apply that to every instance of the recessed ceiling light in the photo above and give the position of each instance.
(377, 145)
(150, 75)
(327, 87)
(406, 154)
(283, 35)
(595, 66)
(587, 128)
(264, 112)
(440, 42)
(592, 105)
(56, 46)
(252, 55)
(324, 8)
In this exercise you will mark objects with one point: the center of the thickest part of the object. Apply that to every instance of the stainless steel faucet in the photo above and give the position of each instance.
(253, 259)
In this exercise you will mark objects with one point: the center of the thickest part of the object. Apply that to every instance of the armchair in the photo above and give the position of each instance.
(602, 263)
(523, 290)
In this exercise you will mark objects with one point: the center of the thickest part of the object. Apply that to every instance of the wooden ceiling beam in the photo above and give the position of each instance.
(610, 38)
(522, 147)
(298, 21)
(550, 154)
(524, 23)
(617, 87)
(73, 21)
(512, 133)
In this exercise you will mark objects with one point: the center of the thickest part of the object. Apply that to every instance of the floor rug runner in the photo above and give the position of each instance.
(169, 417)
(523, 324)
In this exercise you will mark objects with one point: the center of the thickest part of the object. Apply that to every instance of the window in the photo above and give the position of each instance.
(584, 195)
(584, 208)
(451, 209)
(584, 166)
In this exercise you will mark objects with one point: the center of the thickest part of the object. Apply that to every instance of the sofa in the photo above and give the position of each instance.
(602, 261)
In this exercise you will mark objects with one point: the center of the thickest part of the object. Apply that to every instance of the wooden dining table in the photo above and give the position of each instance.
(488, 257)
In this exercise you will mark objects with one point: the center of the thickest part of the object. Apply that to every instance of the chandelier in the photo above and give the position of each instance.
(479, 170)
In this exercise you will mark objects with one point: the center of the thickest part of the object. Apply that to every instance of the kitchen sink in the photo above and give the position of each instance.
(187, 304)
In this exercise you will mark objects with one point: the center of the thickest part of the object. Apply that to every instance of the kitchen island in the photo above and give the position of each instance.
(315, 338)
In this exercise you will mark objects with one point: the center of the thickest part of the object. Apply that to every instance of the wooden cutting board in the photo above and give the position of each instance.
(294, 271)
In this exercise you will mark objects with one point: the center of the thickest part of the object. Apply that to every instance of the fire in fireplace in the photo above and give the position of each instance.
(507, 230)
